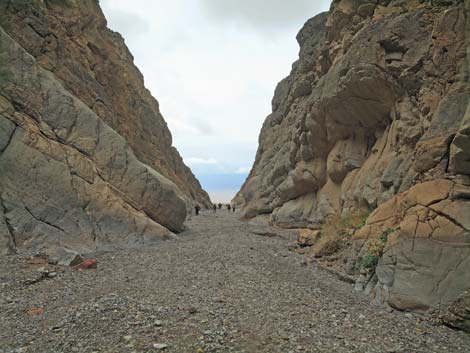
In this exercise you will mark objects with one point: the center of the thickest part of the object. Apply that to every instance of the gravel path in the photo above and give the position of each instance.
(219, 288)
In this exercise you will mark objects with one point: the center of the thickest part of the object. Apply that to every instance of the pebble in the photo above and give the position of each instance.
(160, 346)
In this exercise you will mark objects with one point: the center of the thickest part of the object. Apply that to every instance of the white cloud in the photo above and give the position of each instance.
(243, 170)
(197, 160)
(261, 14)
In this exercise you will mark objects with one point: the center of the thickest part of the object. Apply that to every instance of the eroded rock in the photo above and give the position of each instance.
(67, 178)
(383, 130)
(71, 40)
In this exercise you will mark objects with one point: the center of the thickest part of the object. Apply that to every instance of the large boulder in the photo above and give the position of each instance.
(426, 256)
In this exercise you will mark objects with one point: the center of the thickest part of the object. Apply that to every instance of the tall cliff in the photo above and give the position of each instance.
(86, 160)
(70, 39)
(374, 118)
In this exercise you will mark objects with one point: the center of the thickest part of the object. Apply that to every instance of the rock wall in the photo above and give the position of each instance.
(70, 39)
(86, 161)
(66, 178)
(374, 117)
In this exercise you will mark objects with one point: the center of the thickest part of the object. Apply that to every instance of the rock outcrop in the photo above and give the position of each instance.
(374, 118)
(70, 39)
(86, 161)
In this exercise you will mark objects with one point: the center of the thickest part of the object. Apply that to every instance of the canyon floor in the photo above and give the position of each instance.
(218, 288)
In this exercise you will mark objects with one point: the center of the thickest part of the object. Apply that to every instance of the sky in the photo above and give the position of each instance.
(213, 66)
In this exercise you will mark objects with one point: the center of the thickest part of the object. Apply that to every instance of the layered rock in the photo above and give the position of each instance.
(377, 103)
(70, 39)
(86, 161)
(426, 256)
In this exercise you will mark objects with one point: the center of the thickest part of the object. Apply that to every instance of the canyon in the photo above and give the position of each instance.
(353, 221)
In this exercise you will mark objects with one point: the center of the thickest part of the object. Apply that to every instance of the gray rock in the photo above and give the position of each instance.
(88, 191)
(65, 257)
(160, 346)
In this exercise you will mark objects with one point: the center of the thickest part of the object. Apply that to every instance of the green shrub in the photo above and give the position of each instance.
(370, 261)
(384, 236)
(375, 250)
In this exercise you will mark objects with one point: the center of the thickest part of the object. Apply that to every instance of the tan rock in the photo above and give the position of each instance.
(308, 237)
(428, 193)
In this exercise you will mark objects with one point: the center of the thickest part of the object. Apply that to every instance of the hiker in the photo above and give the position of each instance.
(197, 208)
(220, 205)
(229, 208)
(214, 208)
(233, 208)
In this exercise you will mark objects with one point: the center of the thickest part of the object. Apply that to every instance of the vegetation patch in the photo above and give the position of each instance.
(375, 250)
(327, 246)
(355, 222)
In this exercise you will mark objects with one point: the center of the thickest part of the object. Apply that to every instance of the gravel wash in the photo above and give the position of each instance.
(218, 288)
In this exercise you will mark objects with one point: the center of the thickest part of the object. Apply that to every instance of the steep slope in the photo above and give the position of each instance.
(374, 118)
(86, 161)
(66, 178)
(70, 39)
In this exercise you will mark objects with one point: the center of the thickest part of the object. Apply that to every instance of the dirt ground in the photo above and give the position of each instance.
(219, 288)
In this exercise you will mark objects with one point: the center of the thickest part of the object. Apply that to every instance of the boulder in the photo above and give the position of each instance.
(458, 315)
(427, 254)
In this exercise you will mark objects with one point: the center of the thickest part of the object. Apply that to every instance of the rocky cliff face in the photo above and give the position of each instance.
(86, 160)
(70, 39)
(374, 117)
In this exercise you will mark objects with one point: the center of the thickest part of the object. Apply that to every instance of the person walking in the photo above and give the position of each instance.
(233, 208)
(220, 205)
(197, 208)
(229, 208)
(214, 208)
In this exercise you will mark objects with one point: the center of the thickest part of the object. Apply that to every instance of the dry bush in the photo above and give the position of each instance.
(327, 245)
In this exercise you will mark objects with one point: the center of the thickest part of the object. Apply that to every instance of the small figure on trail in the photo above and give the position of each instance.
(233, 208)
(229, 208)
(220, 205)
(214, 208)
(197, 208)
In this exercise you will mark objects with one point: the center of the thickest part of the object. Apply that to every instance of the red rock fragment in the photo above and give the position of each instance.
(35, 311)
(86, 265)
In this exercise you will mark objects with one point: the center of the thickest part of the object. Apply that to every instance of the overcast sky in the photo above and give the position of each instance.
(213, 66)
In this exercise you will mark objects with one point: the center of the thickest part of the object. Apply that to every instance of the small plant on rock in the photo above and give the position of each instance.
(354, 221)
(369, 261)
(375, 250)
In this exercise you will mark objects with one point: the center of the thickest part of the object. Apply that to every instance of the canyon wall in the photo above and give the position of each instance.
(70, 39)
(86, 161)
(373, 123)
